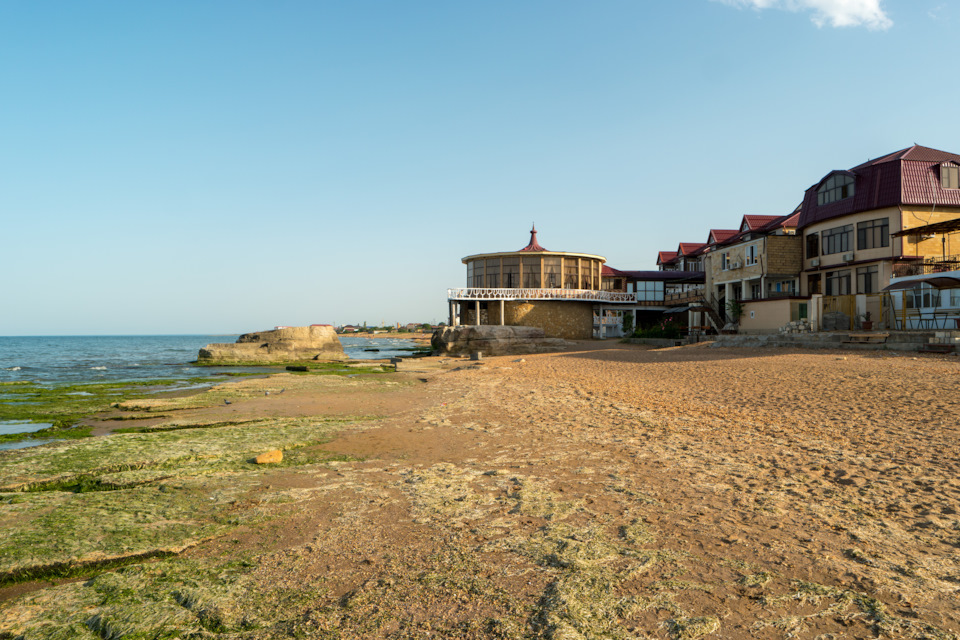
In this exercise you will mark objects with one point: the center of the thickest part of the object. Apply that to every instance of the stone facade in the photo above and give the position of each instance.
(784, 254)
(567, 320)
(558, 319)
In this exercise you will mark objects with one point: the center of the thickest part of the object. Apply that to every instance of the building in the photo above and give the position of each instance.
(558, 291)
(862, 226)
(760, 260)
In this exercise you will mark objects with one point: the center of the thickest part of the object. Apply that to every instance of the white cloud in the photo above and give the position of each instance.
(836, 13)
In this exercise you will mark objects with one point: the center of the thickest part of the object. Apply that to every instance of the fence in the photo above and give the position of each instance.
(840, 312)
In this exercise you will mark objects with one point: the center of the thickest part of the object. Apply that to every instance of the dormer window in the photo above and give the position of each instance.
(949, 176)
(837, 187)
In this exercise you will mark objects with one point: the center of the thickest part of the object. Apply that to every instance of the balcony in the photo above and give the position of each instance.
(523, 295)
(926, 266)
(675, 298)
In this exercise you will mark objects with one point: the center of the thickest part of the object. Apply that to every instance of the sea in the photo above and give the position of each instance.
(66, 360)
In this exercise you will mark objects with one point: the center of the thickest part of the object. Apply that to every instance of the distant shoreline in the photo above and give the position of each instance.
(417, 337)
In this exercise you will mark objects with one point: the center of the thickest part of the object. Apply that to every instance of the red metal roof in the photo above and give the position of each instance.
(690, 248)
(534, 245)
(719, 236)
(753, 223)
(666, 257)
(791, 220)
(910, 176)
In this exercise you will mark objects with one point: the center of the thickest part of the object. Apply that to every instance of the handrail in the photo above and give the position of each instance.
(593, 295)
(926, 266)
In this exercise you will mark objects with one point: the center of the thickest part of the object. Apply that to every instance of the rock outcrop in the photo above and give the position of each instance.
(493, 340)
(291, 344)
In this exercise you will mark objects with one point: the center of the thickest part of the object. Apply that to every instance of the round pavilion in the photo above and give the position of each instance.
(534, 267)
(557, 291)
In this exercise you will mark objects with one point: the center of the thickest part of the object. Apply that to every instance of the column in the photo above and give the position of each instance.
(503, 305)
(477, 307)
(815, 311)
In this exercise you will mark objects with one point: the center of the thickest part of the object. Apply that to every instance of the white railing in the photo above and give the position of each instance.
(541, 294)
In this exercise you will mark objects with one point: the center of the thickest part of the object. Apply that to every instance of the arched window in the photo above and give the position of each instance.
(837, 187)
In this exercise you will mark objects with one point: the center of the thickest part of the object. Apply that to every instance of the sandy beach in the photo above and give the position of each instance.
(610, 491)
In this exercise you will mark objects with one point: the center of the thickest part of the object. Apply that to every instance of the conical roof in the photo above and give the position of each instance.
(534, 245)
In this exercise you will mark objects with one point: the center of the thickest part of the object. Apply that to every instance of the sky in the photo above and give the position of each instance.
(198, 166)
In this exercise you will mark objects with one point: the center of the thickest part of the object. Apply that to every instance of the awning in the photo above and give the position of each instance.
(677, 309)
(939, 282)
(947, 226)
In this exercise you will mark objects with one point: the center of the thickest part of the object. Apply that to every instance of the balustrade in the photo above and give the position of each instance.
(540, 294)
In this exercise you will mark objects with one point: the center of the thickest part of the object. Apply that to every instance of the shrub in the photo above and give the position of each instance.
(669, 329)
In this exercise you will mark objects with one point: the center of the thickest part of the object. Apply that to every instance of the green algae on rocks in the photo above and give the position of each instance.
(64, 406)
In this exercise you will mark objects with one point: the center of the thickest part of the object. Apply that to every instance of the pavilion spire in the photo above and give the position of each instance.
(534, 245)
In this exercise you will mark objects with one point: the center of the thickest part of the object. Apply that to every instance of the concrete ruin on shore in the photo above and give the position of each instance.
(493, 340)
(287, 344)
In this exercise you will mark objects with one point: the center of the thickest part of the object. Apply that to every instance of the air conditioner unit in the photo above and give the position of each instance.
(815, 262)
(734, 265)
(848, 257)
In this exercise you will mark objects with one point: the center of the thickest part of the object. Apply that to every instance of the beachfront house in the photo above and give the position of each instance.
(892, 217)
(758, 268)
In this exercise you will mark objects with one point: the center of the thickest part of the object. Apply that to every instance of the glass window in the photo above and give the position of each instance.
(873, 234)
(751, 254)
(510, 277)
(569, 273)
(837, 187)
(595, 268)
(586, 274)
(477, 274)
(650, 291)
(950, 176)
(725, 261)
(470, 274)
(952, 298)
(813, 245)
(493, 272)
(837, 240)
(868, 279)
(814, 284)
(838, 283)
(531, 272)
(551, 273)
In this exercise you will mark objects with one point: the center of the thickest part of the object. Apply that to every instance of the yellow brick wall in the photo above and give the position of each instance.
(784, 254)
(933, 247)
(568, 320)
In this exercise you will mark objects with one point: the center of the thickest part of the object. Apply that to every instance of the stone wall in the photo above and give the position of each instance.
(558, 319)
(784, 255)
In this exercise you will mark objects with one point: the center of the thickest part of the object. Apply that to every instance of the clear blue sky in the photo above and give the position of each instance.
(195, 166)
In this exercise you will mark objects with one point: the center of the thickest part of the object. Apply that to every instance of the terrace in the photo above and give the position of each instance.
(523, 295)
